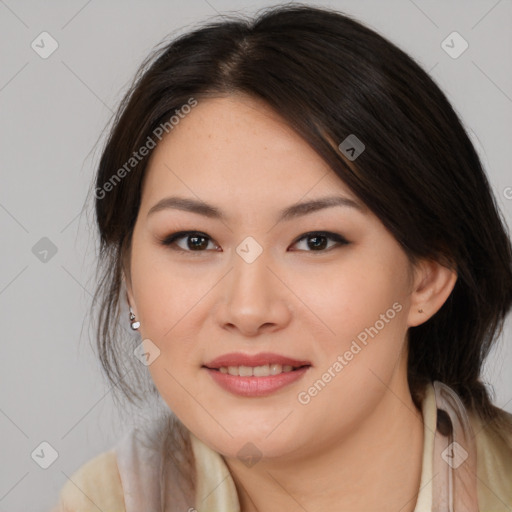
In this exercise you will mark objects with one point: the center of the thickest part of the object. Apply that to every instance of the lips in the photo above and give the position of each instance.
(239, 359)
(255, 375)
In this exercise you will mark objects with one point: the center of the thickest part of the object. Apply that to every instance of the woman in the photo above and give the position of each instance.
(341, 375)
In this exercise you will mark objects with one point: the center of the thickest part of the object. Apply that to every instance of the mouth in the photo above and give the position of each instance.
(257, 365)
(255, 375)
(257, 371)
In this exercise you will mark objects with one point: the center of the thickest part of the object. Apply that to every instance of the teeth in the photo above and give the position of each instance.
(256, 371)
(244, 371)
(275, 369)
(261, 371)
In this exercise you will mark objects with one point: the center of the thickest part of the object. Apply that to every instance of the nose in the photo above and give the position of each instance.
(254, 298)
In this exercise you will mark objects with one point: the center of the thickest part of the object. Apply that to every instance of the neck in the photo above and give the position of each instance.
(377, 467)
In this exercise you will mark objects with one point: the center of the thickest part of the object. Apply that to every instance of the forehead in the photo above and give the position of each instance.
(238, 150)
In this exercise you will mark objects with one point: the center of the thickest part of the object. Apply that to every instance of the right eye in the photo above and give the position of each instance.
(196, 241)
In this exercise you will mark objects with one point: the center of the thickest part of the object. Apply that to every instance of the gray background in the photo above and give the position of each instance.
(52, 112)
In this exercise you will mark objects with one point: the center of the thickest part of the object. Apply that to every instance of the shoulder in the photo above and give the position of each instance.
(494, 456)
(94, 486)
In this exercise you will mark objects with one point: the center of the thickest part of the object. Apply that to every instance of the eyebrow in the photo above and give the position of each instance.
(291, 212)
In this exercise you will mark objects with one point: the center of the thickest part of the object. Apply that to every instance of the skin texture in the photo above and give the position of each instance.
(358, 443)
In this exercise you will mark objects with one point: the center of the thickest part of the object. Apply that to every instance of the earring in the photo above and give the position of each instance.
(134, 325)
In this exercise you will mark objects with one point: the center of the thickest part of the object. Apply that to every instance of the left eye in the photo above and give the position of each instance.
(198, 241)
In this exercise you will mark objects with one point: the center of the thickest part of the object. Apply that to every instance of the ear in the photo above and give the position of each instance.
(432, 285)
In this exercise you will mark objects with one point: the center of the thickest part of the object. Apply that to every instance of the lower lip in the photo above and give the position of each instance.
(255, 386)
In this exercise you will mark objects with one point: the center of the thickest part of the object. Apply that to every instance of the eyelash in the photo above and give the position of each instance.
(171, 239)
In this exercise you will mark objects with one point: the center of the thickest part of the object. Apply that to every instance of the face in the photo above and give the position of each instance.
(325, 291)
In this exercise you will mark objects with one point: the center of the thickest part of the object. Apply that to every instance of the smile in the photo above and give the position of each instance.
(255, 375)
(257, 371)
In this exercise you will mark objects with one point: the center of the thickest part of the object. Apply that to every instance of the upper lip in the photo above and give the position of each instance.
(239, 359)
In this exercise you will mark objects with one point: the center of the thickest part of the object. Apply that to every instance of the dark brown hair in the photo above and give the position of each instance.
(330, 76)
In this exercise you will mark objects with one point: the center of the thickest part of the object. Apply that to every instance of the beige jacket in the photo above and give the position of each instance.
(467, 467)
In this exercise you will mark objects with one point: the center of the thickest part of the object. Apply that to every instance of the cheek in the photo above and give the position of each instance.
(358, 363)
(167, 307)
(167, 295)
(353, 297)
(363, 307)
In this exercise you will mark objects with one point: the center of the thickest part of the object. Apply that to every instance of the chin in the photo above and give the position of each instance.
(250, 442)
